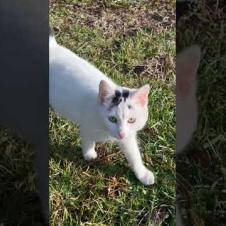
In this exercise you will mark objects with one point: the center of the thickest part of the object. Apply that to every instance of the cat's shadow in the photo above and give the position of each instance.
(109, 167)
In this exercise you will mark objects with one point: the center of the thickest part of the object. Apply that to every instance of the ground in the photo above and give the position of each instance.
(134, 44)
(19, 203)
(201, 172)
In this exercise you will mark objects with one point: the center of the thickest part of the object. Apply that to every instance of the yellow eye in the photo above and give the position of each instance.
(112, 119)
(131, 120)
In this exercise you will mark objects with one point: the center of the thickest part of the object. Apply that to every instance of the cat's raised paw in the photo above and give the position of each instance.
(90, 155)
(146, 177)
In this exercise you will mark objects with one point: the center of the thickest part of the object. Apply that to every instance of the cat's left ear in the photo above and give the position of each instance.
(105, 92)
(141, 95)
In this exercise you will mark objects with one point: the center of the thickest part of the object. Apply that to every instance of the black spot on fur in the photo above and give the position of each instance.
(125, 94)
(117, 98)
(117, 93)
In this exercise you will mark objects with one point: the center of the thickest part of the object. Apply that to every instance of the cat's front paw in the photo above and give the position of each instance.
(90, 155)
(146, 177)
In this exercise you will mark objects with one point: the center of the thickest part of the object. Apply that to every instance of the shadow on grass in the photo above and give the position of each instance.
(19, 201)
(65, 152)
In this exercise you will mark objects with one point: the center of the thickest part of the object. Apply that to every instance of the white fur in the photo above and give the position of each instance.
(75, 94)
(186, 104)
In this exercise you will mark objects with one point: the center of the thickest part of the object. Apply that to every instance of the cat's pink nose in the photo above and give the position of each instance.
(121, 134)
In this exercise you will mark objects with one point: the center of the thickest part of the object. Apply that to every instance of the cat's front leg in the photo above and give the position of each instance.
(88, 148)
(131, 151)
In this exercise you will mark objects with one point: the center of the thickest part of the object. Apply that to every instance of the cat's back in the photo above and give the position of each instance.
(73, 82)
(66, 65)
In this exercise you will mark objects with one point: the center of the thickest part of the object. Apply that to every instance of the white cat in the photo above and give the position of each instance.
(103, 110)
(186, 102)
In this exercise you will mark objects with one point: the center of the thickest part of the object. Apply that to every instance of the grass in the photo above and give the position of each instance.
(201, 173)
(19, 203)
(134, 44)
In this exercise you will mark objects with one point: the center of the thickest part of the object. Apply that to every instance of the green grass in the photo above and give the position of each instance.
(19, 203)
(129, 42)
(202, 171)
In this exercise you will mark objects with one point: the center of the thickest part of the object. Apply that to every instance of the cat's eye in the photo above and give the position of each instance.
(112, 119)
(131, 120)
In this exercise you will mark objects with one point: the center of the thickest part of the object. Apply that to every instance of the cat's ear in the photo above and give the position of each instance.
(105, 92)
(187, 64)
(141, 95)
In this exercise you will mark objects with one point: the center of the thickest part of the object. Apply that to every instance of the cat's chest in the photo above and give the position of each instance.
(104, 137)
(96, 130)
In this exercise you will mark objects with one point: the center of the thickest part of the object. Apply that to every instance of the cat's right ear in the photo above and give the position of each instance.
(105, 92)
(187, 64)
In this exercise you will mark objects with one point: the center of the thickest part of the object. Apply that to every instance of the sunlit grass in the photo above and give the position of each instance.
(106, 192)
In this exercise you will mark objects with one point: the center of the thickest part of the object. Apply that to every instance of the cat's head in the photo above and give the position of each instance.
(186, 100)
(124, 110)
